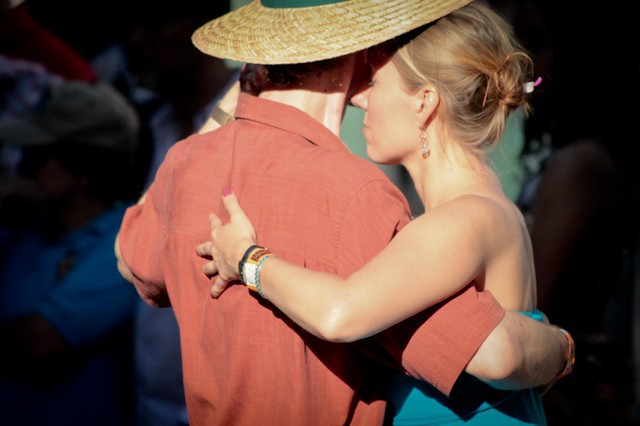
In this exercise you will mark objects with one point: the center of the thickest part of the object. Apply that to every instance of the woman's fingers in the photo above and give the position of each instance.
(239, 223)
(218, 287)
(230, 202)
(204, 250)
(210, 268)
(214, 221)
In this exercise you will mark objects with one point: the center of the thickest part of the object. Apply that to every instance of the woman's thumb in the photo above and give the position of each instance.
(230, 202)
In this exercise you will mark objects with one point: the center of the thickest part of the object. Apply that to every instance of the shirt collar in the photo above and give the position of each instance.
(288, 118)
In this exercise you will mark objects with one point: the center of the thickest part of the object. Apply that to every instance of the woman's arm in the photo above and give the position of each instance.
(523, 353)
(432, 258)
(519, 353)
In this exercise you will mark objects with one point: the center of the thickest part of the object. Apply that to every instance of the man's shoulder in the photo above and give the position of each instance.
(352, 173)
(348, 178)
(341, 164)
(197, 145)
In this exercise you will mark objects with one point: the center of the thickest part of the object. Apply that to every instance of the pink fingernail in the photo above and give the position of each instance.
(226, 192)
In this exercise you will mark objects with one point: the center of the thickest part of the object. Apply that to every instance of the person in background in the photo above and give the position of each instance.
(25, 43)
(92, 29)
(65, 312)
(23, 37)
(438, 99)
(581, 210)
(22, 83)
(336, 210)
(175, 87)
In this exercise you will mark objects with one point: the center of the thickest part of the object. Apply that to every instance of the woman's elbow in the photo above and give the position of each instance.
(498, 359)
(338, 325)
(503, 371)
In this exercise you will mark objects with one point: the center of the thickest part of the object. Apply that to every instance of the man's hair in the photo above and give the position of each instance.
(254, 77)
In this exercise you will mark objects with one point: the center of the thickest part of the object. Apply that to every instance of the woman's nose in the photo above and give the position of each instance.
(359, 99)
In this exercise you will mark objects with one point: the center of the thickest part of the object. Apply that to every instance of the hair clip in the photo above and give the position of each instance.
(530, 85)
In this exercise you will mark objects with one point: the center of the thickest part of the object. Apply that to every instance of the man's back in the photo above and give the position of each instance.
(317, 205)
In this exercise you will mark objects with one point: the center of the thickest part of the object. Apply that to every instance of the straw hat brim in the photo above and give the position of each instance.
(262, 35)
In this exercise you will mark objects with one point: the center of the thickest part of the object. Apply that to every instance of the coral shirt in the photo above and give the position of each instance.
(313, 203)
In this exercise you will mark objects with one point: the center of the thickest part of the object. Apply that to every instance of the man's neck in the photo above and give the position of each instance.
(327, 108)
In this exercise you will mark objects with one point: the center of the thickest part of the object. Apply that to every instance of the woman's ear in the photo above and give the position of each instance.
(426, 103)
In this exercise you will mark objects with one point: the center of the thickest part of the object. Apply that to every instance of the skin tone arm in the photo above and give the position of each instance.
(345, 310)
(520, 353)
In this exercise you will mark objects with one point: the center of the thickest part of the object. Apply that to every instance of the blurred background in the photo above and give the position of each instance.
(92, 94)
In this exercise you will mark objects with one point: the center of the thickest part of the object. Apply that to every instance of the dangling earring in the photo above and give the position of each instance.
(424, 148)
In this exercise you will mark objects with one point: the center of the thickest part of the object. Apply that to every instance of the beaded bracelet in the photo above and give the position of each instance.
(257, 276)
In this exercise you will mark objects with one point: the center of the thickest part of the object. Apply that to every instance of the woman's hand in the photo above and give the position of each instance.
(228, 244)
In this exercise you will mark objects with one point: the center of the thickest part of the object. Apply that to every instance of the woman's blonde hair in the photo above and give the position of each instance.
(478, 67)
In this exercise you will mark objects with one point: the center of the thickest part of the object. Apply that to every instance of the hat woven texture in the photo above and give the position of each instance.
(283, 32)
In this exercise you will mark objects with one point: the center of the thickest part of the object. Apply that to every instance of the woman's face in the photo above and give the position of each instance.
(390, 123)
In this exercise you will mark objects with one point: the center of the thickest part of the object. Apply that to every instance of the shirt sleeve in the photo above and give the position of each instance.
(143, 235)
(437, 344)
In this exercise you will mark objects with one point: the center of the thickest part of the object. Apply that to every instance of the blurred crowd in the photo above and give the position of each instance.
(93, 94)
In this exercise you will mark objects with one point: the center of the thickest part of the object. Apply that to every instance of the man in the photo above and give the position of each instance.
(321, 206)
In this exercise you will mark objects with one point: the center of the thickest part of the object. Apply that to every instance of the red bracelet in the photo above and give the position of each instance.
(571, 354)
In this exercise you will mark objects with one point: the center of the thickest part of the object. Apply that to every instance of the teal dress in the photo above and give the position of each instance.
(472, 402)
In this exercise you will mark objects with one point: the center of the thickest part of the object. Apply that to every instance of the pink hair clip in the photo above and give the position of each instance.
(530, 85)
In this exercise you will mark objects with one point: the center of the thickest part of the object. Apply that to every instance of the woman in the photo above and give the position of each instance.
(438, 99)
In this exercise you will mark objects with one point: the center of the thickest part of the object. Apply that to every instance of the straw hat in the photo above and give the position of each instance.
(296, 31)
